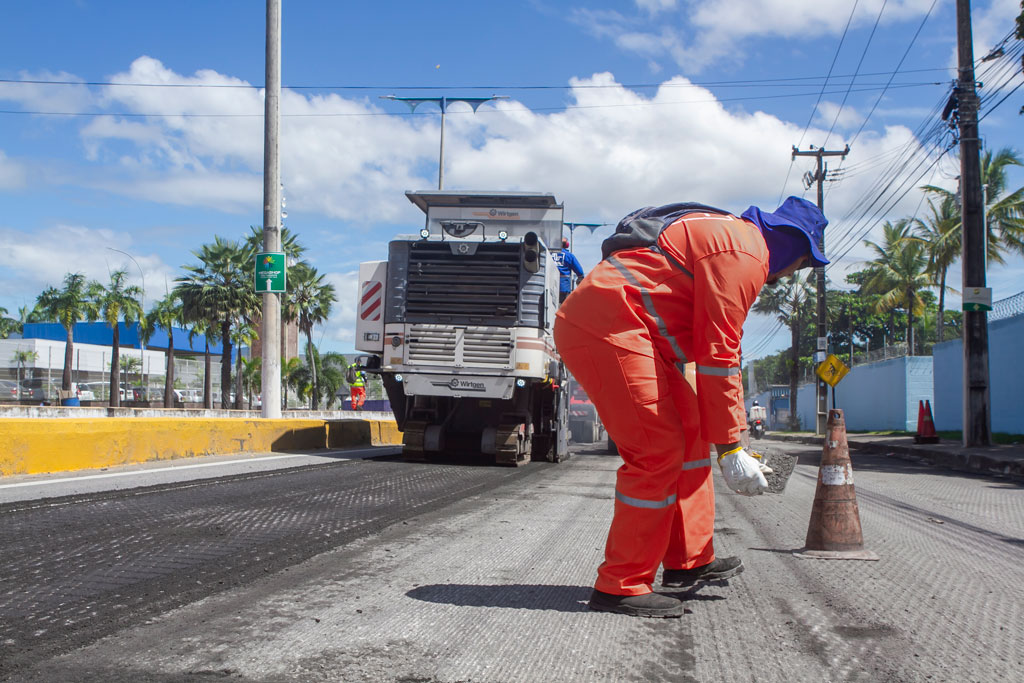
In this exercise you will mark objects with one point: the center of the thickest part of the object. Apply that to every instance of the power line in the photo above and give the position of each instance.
(492, 110)
(863, 54)
(749, 82)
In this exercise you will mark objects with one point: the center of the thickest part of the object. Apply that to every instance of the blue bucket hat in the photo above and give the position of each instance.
(789, 230)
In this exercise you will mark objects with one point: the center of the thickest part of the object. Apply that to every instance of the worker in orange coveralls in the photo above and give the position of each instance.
(674, 288)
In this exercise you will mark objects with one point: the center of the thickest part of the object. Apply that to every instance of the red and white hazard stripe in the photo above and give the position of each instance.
(370, 302)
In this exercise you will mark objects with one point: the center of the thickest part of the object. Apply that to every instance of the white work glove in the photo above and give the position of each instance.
(761, 464)
(742, 473)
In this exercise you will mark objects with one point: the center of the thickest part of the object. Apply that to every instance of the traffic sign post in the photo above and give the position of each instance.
(831, 371)
(271, 273)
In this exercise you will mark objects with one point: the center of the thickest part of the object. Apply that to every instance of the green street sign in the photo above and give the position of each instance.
(977, 299)
(271, 273)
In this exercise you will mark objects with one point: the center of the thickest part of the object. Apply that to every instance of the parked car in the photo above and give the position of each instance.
(38, 389)
(8, 390)
(83, 392)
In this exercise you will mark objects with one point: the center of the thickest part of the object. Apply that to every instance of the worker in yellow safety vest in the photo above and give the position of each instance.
(357, 386)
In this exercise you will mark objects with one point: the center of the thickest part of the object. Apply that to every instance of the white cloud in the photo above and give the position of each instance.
(48, 98)
(711, 31)
(610, 151)
(655, 6)
(36, 259)
(12, 173)
(844, 118)
(341, 325)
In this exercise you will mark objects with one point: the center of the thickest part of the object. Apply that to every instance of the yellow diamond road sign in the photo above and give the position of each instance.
(832, 370)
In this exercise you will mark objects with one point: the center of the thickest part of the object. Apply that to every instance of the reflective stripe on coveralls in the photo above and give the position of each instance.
(653, 504)
(718, 372)
(649, 305)
(633, 317)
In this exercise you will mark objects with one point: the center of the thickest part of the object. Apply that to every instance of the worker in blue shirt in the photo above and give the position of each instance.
(567, 265)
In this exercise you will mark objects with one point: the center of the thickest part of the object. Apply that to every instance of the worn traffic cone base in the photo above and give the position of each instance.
(834, 531)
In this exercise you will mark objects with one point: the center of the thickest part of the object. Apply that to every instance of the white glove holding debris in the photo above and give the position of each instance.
(761, 462)
(742, 472)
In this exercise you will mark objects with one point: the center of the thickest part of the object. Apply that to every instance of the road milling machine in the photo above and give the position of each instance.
(458, 324)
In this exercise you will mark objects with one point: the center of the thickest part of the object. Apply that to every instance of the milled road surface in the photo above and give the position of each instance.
(389, 571)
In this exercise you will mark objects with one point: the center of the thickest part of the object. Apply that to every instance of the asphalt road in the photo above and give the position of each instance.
(380, 570)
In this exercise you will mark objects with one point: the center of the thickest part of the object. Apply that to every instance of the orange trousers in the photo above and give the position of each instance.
(664, 494)
(358, 395)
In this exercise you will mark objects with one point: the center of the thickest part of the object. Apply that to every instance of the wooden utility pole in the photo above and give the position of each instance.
(822, 346)
(270, 335)
(977, 298)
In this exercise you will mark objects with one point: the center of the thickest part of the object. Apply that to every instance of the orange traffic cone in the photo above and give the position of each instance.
(925, 424)
(834, 531)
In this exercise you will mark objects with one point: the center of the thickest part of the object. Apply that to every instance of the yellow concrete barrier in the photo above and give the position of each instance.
(37, 445)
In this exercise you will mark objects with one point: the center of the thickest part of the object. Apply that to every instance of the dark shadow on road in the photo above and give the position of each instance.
(530, 596)
(517, 596)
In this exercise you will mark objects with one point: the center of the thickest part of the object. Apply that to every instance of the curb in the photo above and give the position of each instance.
(62, 444)
(957, 460)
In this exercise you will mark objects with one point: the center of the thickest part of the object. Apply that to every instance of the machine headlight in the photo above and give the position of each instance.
(503, 235)
(424, 233)
(398, 377)
(520, 382)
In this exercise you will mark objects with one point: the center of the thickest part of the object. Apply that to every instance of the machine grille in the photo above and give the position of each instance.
(460, 346)
(479, 288)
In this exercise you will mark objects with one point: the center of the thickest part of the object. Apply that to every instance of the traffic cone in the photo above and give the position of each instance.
(834, 531)
(925, 424)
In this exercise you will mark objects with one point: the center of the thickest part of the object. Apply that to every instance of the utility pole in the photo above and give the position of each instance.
(822, 345)
(270, 335)
(443, 102)
(977, 297)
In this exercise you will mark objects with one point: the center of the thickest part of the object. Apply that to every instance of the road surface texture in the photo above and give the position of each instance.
(380, 570)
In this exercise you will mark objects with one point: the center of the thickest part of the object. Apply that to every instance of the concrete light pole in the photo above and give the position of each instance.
(442, 102)
(270, 335)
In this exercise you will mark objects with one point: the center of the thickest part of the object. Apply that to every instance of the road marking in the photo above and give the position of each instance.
(147, 471)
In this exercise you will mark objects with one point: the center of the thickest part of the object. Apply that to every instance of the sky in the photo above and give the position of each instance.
(131, 133)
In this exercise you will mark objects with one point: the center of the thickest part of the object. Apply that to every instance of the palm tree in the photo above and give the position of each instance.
(242, 335)
(220, 290)
(115, 302)
(290, 371)
(1004, 213)
(941, 236)
(308, 301)
(166, 315)
(789, 300)
(332, 376)
(7, 325)
(898, 273)
(21, 359)
(68, 306)
(202, 326)
(252, 369)
(128, 365)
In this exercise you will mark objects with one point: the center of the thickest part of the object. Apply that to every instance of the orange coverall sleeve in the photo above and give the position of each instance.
(725, 287)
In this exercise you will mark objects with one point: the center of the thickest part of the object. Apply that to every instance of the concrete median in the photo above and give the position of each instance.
(40, 445)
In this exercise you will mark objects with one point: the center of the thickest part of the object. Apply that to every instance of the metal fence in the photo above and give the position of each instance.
(1007, 308)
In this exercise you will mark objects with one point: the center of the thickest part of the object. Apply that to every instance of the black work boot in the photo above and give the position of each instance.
(647, 605)
(721, 568)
